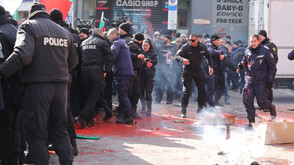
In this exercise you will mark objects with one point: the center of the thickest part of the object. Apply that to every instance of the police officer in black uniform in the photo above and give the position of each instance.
(191, 55)
(45, 54)
(9, 96)
(95, 54)
(273, 48)
(57, 16)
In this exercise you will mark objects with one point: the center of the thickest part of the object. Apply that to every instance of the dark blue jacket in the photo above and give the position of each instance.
(123, 61)
(215, 55)
(259, 65)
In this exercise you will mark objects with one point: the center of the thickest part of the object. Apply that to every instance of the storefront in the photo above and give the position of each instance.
(222, 17)
(146, 15)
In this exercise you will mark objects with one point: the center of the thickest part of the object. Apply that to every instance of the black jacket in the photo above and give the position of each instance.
(194, 55)
(136, 49)
(96, 51)
(126, 37)
(44, 51)
(150, 55)
(272, 47)
(11, 85)
(226, 63)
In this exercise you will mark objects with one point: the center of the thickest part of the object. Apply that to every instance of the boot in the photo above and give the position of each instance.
(135, 114)
(128, 119)
(108, 111)
(143, 105)
(273, 111)
(200, 109)
(90, 122)
(82, 122)
(249, 127)
(149, 106)
(120, 116)
(74, 146)
(183, 112)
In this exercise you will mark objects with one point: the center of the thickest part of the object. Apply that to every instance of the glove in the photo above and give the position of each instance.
(269, 85)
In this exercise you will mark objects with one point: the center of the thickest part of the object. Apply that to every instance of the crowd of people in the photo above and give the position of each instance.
(51, 74)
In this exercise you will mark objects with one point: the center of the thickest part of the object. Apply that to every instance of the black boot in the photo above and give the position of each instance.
(74, 146)
(143, 105)
(82, 122)
(128, 119)
(149, 108)
(200, 109)
(135, 114)
(183, 112)
(120, 114)
(90, 122)
(108, 111)
(249, 127)
(273, 111)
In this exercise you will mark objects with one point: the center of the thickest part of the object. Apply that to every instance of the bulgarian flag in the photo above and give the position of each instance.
(62, 5)
(102, 23)
(10, 5)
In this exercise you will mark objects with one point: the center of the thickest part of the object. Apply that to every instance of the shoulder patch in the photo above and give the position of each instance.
(274, 49)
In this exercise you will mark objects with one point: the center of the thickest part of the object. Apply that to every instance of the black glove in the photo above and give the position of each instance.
(269, 85)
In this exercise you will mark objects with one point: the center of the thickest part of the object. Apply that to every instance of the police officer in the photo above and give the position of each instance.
(45, 54)
(165, 75)
(9, 95)
(124, 74)
(215, 82)
(273, 48)
(260, 68)
(191, 55)
(137, 56)
(57, 16)
(95, 53)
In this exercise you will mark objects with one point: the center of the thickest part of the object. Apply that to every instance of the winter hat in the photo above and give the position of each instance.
(56, 15)
(2, 11)
(36, 7)
(168, 36)
(85, 31)
(263, 33)
(183, 35)
(214, 37)
(125, 27)
(139, 36)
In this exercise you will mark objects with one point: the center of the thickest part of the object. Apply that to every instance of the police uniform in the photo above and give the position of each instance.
(215, 82)
(273, 48)
(45, 54)
(260, 67)
(193, 72)
(124, 74)
(9, 95)
(95, 54)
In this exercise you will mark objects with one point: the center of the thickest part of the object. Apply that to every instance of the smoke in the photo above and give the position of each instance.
(243, 147)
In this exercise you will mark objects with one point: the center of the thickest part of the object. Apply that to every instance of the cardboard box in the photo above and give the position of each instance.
(279, 132)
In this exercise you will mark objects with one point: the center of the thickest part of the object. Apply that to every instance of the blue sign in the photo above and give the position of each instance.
(170, 8)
